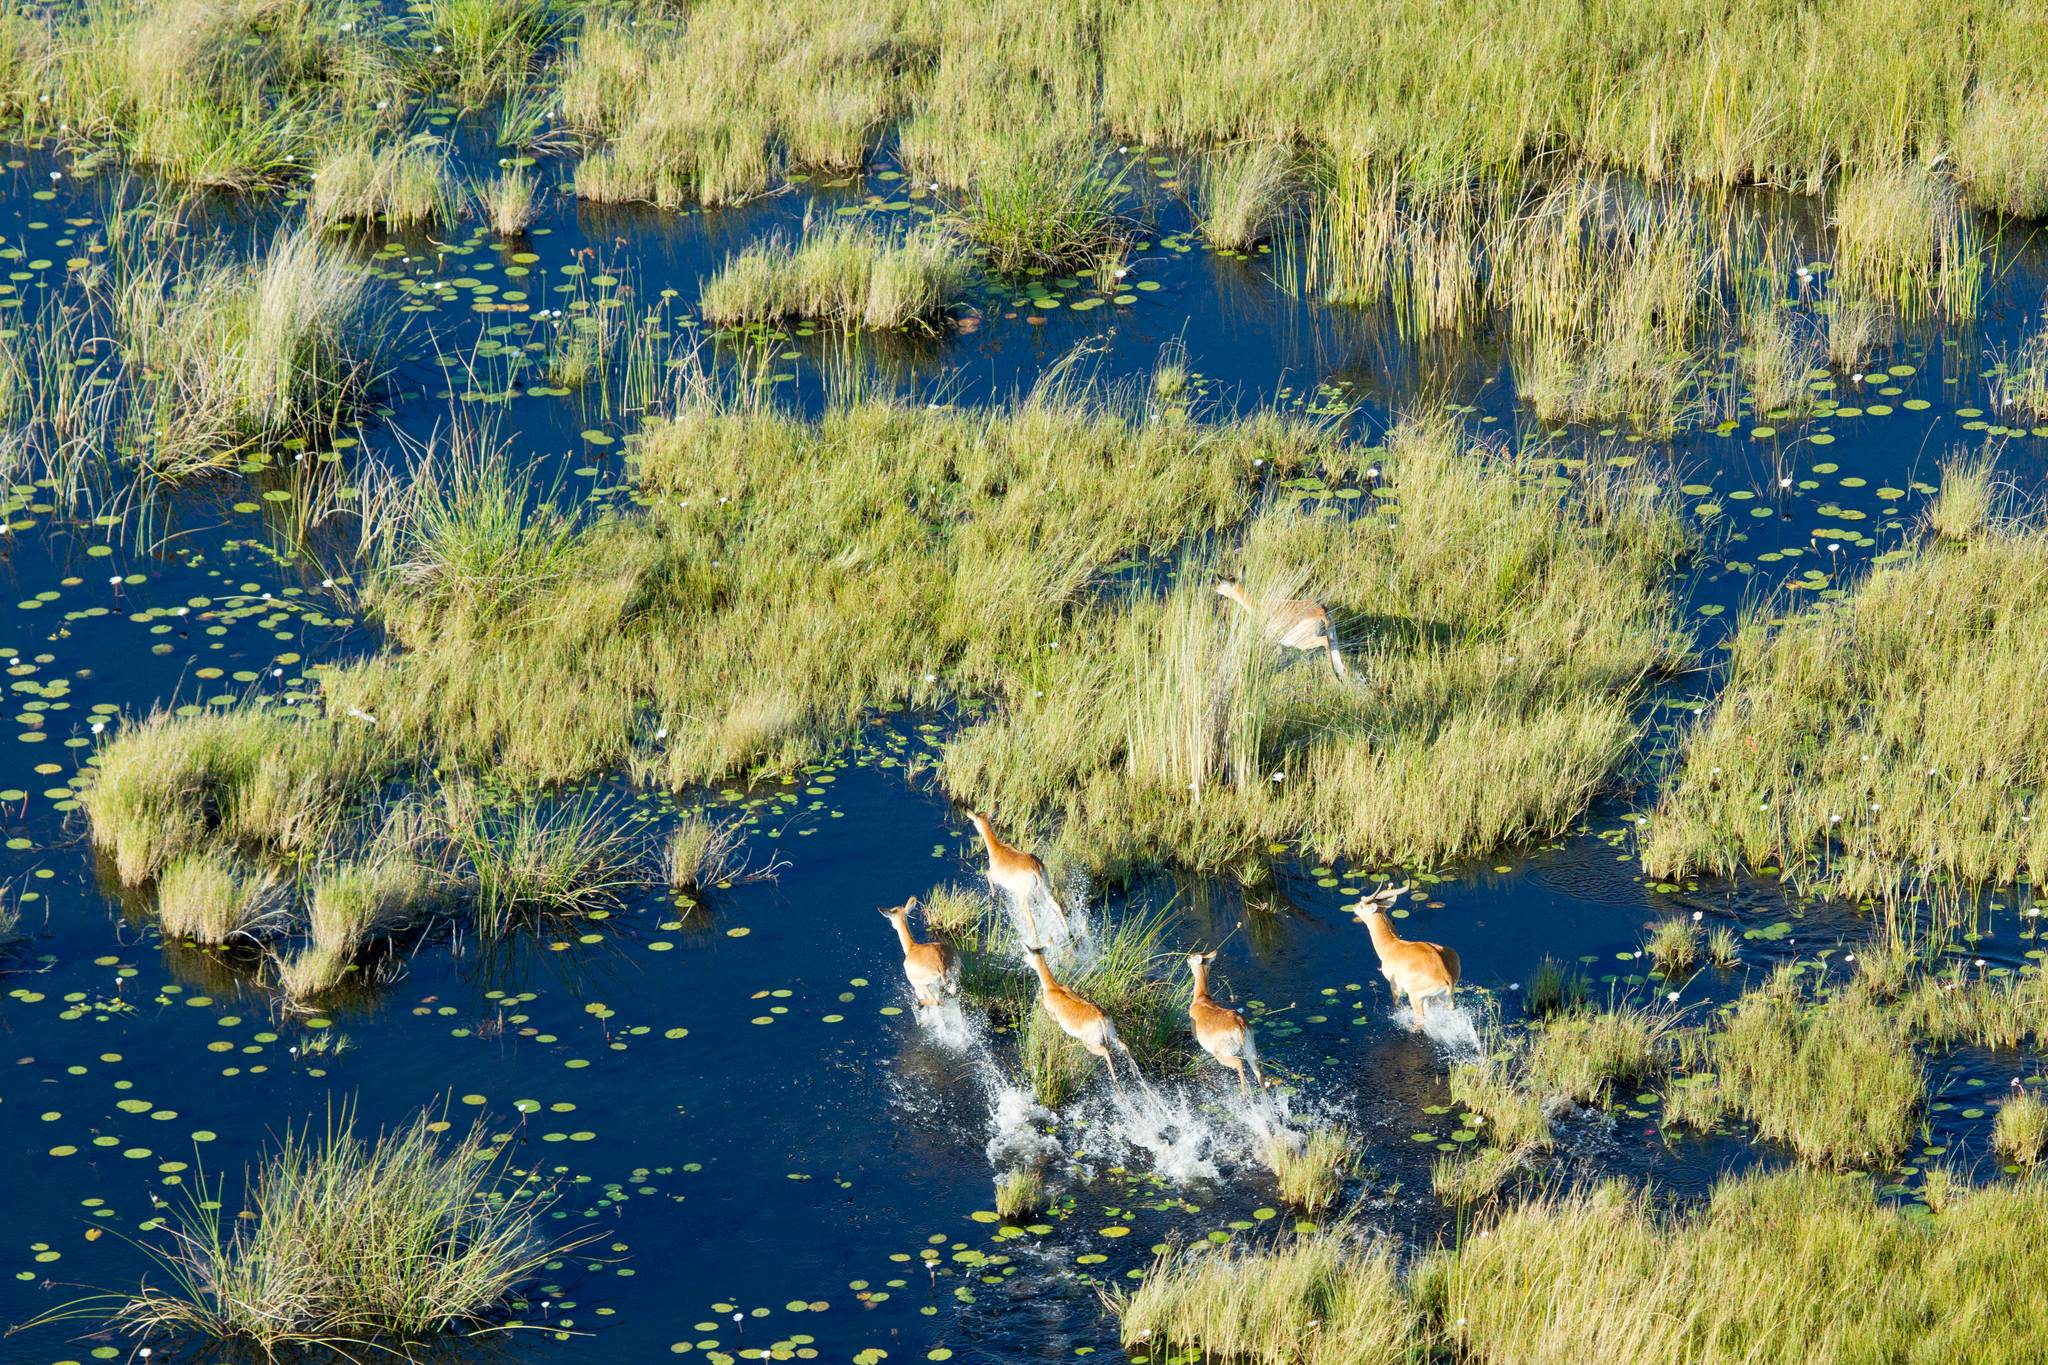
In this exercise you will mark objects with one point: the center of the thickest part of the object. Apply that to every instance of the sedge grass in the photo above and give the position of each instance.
(208, 898)
(401, 185)
(2020, 1133)
(1674, 945)
(702, 851)
(1019, 1193)
(531, 858)
(843, 275)
(1244, 194)
(1877, 743)
(1310, 1168)
(2019, 381)
(351, 1241)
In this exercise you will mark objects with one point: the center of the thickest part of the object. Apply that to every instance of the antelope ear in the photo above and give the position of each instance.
(910, 904)
(1209, 956)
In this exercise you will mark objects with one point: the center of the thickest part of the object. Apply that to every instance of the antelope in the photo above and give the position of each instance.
(1220, 1030)
(1015, 873)
(1420, 971)
(931, 968)
(1078, 1019)
(1295, 624)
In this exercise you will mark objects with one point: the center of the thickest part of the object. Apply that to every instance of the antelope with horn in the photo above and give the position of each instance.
(1296, 623)
(1421, 971)
(1220, 1030)
(1079, 1019)
(931, 968)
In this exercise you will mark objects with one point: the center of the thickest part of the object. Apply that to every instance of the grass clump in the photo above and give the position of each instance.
(510, 202)
(1902, 236)
(1674, 945)
(354, 901)
(1320, 1298)
(206, 897)
(1872, 744)
(234, 357)
(1019, 1193)
(2019, 380)
(346, 1240)
(529, 857)
(1723, 949)
(953, 909)
(1585, 1055)
(843, 275)
(404, 184)
(1476, 1176)
(1509, 1115)
(1967, 505)
(1046, 206)
(2021, 1131)
(704, 852)
(1311, 1167)
(1553, 988)
(1835, 1078)
(1245, 193)
(245, 780)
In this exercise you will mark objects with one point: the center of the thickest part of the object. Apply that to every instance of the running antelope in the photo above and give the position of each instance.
(1420, 971)
(1220, 1030)
(1015, 873)
(1296, 623)
(931, 968)
(1078, 1019)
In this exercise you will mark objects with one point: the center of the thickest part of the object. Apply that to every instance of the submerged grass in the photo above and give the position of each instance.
(1894, 737)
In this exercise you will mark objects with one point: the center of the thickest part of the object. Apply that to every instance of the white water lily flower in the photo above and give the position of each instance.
(1672, 997)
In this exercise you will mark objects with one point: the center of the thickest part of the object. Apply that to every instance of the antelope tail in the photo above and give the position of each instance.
(1336, 659)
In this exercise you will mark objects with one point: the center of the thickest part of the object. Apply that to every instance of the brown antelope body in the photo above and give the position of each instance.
(1079, 1019)
(1421, 971)
(1294, 624)
(931, 968)
(1015, 873)
(1220, 1030)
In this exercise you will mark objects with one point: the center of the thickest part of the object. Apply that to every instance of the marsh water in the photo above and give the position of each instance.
(736, 1097)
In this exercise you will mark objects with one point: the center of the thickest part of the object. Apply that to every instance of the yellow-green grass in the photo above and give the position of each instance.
(246, 780)
(703, 851)
(1892, 738)
(1834, 1076)
(1902, 236)
(402, 184)
(711, 100)
(2020, 1133)
(1244, 192)
(1674, 945)
(784, 576)
(348, 1241)
(2019, 381)
(530, 857)
(1785, 1266)
(1310, 1168)
(840, 274)
(510, 202)
(231, 357)
(355, 901)
(1320, 1298)
(1019, 1193)
(235, 96)
(1475, 1175)
(209, 898)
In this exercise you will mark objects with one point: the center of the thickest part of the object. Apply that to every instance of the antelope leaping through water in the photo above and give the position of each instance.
(1296, 623)
(931, 967)
(1421, 971)
(1220, 1030)
(1016, 874)
(1079, 1019)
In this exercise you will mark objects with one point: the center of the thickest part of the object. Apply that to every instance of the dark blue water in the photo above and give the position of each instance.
(736, 1102)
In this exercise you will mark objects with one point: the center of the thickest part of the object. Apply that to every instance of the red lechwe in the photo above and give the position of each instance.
(1296, 623)
(1079, 1019)
(931, 968)
(1420, 971)
(1017, 874)
(1221, 1031)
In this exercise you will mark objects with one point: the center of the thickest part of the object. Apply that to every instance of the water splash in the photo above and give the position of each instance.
(1020, 1128)
(1447, 1024)
(949, 1026)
